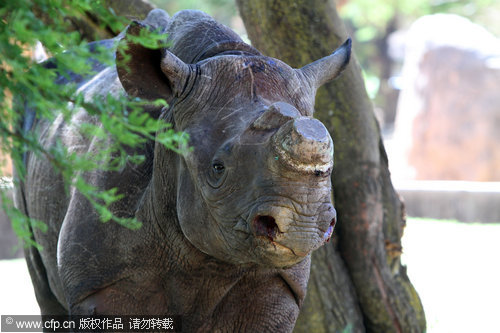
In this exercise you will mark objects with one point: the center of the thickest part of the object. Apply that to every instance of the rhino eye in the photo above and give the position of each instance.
(218, 167)
(217, 174)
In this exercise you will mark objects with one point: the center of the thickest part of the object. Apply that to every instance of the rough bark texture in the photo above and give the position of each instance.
(358, 283)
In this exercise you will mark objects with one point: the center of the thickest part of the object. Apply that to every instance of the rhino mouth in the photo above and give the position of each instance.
(328, 233)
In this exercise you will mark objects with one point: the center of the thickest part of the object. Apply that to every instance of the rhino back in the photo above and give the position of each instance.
(40, 173)
(45, 194)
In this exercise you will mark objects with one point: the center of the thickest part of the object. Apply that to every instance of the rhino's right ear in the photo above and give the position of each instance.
(328, 68)
(149, 73)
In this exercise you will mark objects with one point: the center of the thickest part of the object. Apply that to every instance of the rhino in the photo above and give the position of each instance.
(229, 225)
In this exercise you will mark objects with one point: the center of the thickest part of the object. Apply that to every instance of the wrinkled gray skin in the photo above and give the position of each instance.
(228, 227)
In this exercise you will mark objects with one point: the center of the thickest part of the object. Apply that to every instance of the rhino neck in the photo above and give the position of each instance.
(226, 47)
(207, 291)
(194, 36)
(204, 289)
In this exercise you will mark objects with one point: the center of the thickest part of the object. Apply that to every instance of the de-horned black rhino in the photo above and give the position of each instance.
(228, 226)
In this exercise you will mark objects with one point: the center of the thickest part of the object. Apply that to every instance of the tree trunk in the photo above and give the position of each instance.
(357, 283)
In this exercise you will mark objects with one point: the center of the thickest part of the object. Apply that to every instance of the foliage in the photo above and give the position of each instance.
(25, 85)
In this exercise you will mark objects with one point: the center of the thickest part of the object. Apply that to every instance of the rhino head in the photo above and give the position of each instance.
(255, 187)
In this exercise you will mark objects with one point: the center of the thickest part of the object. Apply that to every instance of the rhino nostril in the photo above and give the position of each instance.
(266, 226)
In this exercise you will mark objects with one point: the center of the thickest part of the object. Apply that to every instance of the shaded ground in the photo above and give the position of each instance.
(454, 267)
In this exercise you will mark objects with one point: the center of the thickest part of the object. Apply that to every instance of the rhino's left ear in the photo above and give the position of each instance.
(328, 68)
(149, 73)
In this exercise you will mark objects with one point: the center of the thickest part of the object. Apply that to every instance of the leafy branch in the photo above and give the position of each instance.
(118, 124)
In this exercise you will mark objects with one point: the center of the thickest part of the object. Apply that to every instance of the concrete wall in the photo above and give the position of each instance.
(457, 200)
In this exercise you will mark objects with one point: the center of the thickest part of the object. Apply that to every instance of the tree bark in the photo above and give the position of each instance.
(357, 283)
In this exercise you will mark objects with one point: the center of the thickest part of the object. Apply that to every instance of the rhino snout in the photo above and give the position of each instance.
(305, 145)
(280, 227)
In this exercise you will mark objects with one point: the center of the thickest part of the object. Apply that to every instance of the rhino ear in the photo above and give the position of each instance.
(328, 68)
(149, 73)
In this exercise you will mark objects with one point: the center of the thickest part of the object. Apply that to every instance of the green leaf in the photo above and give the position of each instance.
(115, 126)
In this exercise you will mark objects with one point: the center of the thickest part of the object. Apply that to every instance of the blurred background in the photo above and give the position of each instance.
(432, 70)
